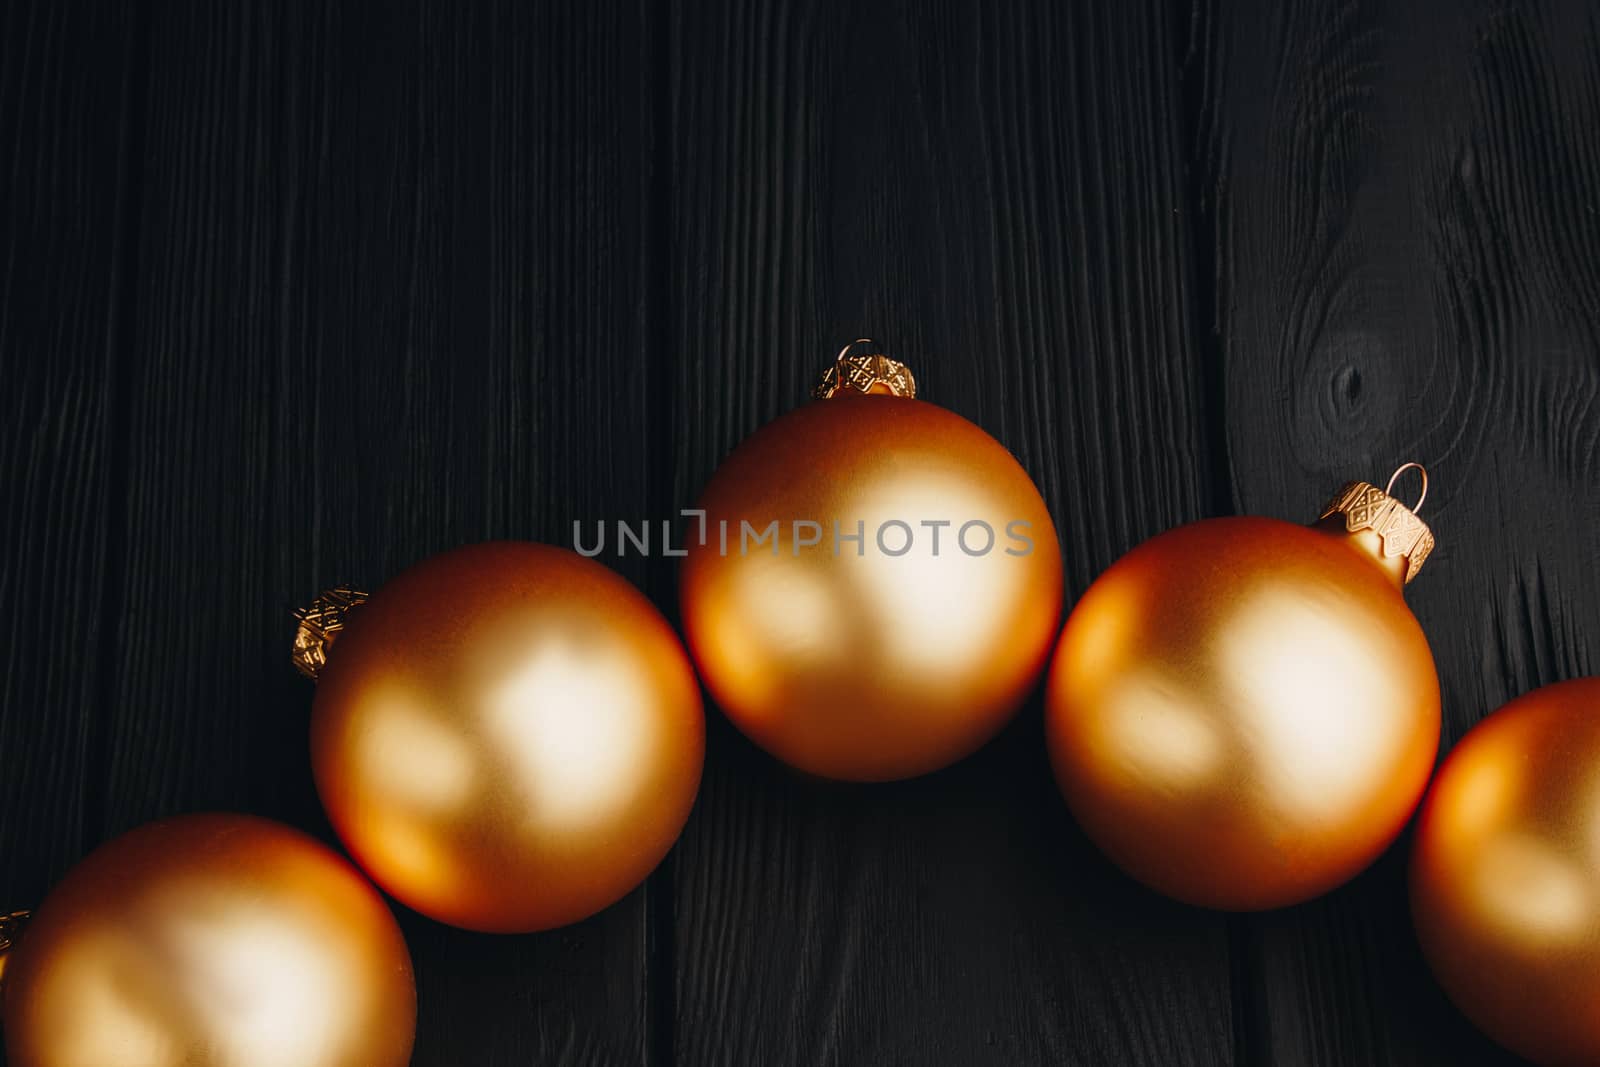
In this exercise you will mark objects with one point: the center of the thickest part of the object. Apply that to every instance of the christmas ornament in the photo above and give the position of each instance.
(210, 941)
(875, 582)
(507, 737)
(1242, 712)
(1505, 874)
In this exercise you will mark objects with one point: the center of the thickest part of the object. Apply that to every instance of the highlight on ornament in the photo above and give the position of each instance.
(1505, 874)
(904, 591)
(1242, 713)
(507, 737)
(210, 941)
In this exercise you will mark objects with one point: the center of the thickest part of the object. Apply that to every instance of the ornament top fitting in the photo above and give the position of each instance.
(1365, 508)
(865, 372)
(10, 929)
(319, 626)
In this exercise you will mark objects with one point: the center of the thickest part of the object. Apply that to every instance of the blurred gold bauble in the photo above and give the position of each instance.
(1242, 712)
(508, 737)
(903, 651)
(1505, 874)
(211, 941)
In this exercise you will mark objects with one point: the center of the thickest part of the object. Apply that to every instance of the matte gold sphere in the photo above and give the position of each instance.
(888, 656)
(1242, 712)
(508, 737)
(1505, 875)
(211, 941)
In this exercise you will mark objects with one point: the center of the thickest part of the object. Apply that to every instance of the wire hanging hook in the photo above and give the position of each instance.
(1420, 469)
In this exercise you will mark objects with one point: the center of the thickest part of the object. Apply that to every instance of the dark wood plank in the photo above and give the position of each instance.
(67, 80)
(388, 302)
(994, 191)
(1403, 205)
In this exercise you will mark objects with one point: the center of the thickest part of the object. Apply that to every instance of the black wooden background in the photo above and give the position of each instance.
(301, 292)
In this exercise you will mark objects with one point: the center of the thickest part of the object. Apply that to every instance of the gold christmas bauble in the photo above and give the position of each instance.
(1242, 712)
(507, 737)
(877, 585)
(211, 941)
(1505, 874)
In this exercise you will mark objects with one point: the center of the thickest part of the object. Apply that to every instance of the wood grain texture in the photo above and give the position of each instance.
(67, 76)
(388, 303)
(993, 191)
(296, 293)
(1403, 206)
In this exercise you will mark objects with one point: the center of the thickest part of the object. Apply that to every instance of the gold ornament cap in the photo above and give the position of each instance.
(865, 372)
(319, 625)
(10, 930)
(1364, 507)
